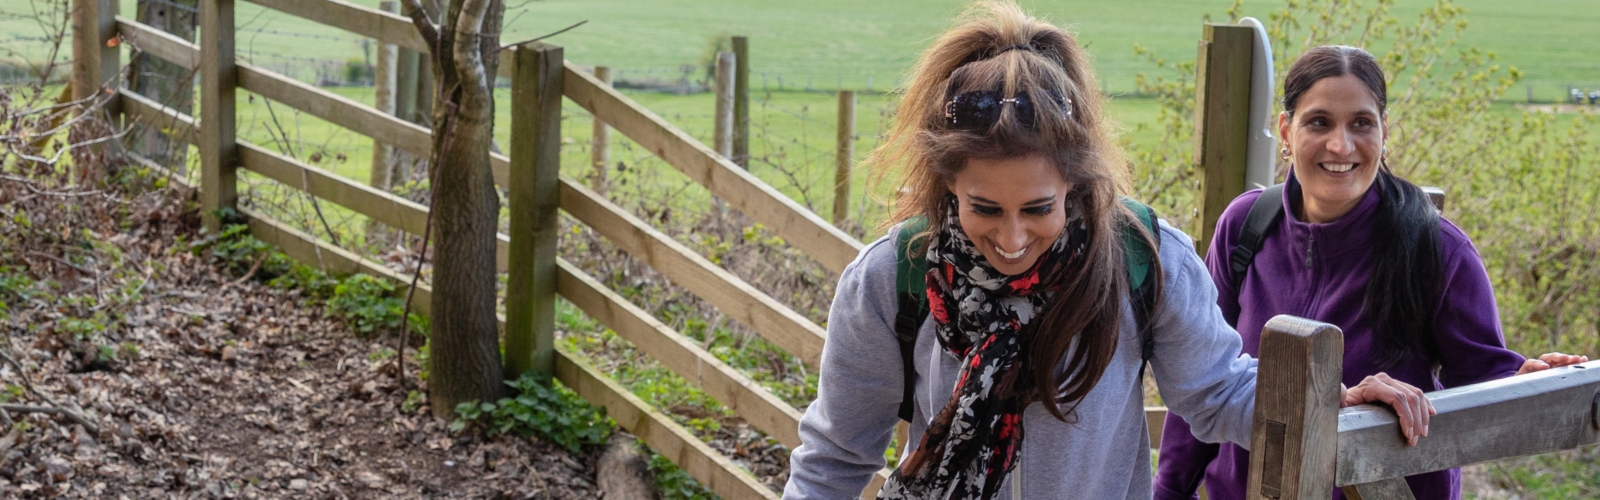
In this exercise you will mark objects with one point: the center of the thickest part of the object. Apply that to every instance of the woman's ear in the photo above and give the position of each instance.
(1385, 126)
(1283, 127)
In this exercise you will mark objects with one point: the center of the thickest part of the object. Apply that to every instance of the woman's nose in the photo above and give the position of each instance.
(1339, 143)
(1013, 236)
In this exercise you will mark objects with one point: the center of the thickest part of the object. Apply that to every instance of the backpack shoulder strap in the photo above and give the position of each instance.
(1263, 212)
(911, 291)
(1140, 256)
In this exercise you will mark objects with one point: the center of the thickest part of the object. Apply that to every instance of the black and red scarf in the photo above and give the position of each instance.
(979, 316)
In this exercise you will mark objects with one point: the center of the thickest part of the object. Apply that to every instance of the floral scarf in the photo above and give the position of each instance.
(979, 315)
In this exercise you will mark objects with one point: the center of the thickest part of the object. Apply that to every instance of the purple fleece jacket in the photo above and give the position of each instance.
(1320, 271)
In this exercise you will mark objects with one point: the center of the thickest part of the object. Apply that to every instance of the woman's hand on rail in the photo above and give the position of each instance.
(1408, 402)
(1550, 360)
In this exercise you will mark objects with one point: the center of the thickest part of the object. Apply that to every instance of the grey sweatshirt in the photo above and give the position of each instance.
(1105, 455)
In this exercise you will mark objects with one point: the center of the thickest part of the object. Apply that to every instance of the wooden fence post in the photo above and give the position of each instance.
(536, 90)
(1296, 423)
(218, 81)
(600, 148)
(168, 83)
(844, 155)
(94, 59)
(723, 137)
(383, 83)
(1221, 120)
(741, 102)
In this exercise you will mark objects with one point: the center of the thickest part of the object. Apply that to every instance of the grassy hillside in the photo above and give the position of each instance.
(832, 42)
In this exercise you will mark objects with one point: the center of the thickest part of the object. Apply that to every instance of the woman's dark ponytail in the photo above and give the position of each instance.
(1406, 270)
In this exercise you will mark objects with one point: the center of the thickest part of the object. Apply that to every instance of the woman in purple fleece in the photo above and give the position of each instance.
(1358, 247)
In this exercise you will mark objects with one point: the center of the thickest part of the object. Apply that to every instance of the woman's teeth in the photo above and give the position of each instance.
(1017, 255)
(1338, 167)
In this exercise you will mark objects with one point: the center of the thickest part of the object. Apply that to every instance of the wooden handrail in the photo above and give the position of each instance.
(152, 113)
(379, 205)
(1541, 412)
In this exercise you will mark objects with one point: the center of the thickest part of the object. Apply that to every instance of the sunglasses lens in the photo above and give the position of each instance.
(981, 109)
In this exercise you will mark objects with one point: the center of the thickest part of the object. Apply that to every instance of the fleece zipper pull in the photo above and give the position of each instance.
(1311, 242)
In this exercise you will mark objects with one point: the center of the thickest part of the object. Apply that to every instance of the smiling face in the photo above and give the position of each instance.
(1335, 140)
(1011, 209)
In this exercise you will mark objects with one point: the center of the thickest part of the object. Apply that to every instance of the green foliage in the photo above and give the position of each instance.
(15, 287)
(541, 408)
(674, 483)
(369, 304)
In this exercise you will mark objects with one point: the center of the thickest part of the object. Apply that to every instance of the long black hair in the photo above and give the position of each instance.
(1407, 275)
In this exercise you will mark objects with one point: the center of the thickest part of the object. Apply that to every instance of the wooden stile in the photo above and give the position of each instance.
(1295, 429)
(844, 155)
(533, 201)
(1222, 120)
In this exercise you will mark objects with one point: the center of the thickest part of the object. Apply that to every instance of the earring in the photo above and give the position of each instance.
(1386, 152)
(1285, 153)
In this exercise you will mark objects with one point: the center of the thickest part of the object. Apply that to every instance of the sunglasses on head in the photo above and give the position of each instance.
(981, 109)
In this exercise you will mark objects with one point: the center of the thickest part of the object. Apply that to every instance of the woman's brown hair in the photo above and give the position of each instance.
(995, 46)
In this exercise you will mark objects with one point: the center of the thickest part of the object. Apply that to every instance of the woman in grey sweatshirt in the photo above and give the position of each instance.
(1010, 168)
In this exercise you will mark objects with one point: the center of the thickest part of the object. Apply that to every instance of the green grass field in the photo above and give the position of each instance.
(829, 43)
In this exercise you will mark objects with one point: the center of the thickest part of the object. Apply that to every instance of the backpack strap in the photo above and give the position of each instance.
(911, 288)
(1140, 254)
(1263, 212)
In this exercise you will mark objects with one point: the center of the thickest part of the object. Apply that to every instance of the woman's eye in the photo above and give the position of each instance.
(985, 210)
(1040, 210)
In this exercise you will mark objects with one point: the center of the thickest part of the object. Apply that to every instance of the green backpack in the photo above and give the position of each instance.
(911, 288)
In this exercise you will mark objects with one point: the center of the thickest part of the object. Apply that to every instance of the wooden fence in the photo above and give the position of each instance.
(540, 78)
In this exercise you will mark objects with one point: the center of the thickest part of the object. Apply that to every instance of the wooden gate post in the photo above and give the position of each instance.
(218, 81)
(1221, 121)
(95, 60)
(1295, 436)
(535, 163)
(844, 155)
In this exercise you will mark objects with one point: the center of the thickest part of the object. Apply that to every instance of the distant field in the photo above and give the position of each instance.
(829, 43)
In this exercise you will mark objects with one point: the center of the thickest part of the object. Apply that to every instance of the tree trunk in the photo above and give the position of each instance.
(465, 347)
(164, 82)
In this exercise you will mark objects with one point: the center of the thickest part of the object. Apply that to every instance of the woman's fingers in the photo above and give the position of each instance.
(1555, 359)
(1410, 404)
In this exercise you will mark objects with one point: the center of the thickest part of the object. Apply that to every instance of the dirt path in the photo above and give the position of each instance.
(204, 385)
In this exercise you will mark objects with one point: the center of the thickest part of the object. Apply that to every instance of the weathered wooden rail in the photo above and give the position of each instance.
(1304, 445)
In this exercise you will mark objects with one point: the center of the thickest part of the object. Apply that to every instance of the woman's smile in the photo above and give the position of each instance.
(1011, 209)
